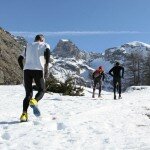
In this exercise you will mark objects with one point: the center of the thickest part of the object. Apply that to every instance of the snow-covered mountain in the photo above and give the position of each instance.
(69, 60)
(137, 47)
(119, 53)
(67, 49)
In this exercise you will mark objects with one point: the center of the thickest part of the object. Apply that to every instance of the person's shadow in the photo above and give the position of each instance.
(11, 122)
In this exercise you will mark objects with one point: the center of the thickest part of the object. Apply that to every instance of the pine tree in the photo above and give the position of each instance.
(66, 88)
(134, 68)
(146, 70)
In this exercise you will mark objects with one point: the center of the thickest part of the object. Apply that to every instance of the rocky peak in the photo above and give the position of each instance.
(136, 46)
(119, 53)
(67, 49)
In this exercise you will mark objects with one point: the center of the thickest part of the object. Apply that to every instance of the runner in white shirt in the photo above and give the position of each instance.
(34, 69)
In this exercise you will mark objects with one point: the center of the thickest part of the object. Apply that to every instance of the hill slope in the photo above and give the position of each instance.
(10, 48)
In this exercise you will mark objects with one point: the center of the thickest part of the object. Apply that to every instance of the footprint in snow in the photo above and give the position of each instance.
(6, 136)
(106, 140)
(5, 127)
(60, 126)
(36, 122)
(36, 142)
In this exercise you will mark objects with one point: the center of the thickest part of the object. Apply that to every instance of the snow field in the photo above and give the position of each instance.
(81, 123)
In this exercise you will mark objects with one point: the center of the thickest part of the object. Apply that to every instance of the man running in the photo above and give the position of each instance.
(98, 76)
(115, 72)
(34, 70)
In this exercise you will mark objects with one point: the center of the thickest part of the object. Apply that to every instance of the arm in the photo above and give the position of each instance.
(93, 75)
(21, 58)
(20, 61)
(47, 60)
(103, 76)
(47, 55)
(122, 72)
(110, 72)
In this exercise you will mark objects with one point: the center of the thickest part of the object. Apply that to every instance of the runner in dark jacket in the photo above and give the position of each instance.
(98, 76)
(117, 72)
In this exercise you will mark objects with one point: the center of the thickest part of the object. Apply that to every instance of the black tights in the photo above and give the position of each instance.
(100, 87)
(117, 86)
(29, 75)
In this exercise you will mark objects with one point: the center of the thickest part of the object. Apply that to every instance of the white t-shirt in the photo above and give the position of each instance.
(34, 55)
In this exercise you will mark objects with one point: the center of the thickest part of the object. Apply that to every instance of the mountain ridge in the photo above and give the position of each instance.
(68, 60)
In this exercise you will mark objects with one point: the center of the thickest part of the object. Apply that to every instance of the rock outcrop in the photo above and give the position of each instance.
(10, 48)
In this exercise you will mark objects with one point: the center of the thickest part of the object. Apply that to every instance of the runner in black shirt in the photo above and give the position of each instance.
(117, 72)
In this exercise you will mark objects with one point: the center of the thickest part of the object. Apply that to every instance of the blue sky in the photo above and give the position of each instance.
(93, 25)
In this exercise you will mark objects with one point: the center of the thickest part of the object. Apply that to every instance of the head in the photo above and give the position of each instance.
(117, 64)
(100, 67)
(39, 38)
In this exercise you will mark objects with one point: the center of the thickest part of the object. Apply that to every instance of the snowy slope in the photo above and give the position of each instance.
(63, 68)
(128, 48)
(102, 62)
(82, 123)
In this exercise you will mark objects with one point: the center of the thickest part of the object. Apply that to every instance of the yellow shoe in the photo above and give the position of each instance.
(34, 105)
(24, 117)
(33, 102)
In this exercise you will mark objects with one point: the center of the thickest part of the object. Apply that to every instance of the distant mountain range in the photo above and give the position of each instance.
(69, 60)
(66, 59)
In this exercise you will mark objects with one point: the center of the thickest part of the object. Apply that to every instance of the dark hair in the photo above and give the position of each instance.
(100, 67)
(117, 63)
(39, 37)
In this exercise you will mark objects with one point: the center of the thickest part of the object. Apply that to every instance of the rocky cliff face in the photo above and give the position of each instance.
(10, 48)
(67, 49)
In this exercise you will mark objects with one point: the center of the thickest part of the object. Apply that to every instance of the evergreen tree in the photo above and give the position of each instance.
(146, 70)
(67, 88)
(134, 68)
